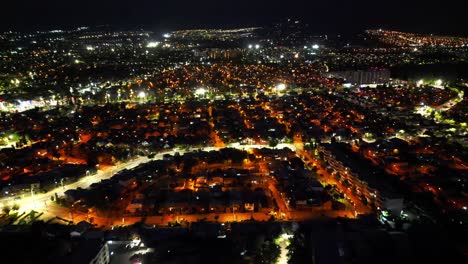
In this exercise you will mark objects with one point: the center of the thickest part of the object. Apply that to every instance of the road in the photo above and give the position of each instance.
(41, 202)
(452, 102)
(327, 178)
(162, 220)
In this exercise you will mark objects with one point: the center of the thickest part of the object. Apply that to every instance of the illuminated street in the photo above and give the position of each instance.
(234, 132)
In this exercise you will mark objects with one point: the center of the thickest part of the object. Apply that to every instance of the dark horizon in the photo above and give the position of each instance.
(336, 16)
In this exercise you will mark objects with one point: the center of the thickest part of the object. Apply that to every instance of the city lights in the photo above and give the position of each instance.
(273, 135)
(141, 95)
(153, 44)
(280, 87)
(200, 91)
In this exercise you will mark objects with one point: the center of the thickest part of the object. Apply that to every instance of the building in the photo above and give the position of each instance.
(87, 251)
(359, 77)
(364, 180)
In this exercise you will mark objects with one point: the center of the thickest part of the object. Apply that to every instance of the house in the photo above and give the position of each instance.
(125, 179)
(80, 229)
(73, 195)
(217, 205)
(235, 201)
(134, 206)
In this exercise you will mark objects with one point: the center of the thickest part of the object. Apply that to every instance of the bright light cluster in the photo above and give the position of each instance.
(153, 44)
(280, 87)
(200, 91)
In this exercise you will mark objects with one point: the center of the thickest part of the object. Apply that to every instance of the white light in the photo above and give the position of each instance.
(167, 35)
(200, 91)
(257, 46)
(89, 48)
(250, 46)
(420, 82)
(281, 87)
(296, 55)
(141, 94)
(153, 44)
(438, 82)
(315, 46)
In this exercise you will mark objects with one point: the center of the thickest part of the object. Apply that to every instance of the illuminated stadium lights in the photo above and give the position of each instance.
(153, 44)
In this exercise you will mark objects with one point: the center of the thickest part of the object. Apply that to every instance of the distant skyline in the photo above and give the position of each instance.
(333, 16)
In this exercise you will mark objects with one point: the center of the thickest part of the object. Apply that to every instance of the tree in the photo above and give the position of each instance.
(6, 209)
(298, 249)
(15, 207)
(267, 253)
(273, 142)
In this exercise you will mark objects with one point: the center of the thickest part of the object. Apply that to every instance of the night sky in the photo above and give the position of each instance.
(333, 16)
